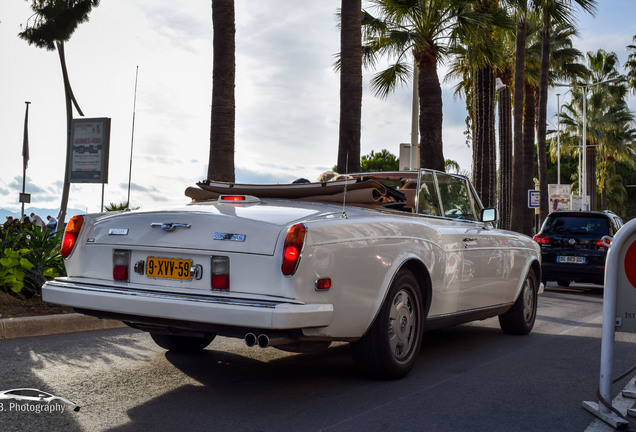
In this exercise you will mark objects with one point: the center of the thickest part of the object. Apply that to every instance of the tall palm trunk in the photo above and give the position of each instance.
(527, 170)
(430, 121)
(221, 162)
(505, 157)
(542, 116)
(69, 102)
(350, 86)
(484, 152)
(519, 206)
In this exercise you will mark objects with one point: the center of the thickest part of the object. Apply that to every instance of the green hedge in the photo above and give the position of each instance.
(29, 257)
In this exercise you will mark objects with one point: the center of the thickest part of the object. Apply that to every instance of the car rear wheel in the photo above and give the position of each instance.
(178, 343)
(390, 347)
(563, 283)
(520, 318)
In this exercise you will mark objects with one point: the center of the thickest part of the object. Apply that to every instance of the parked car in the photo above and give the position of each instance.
(367, 260)
(574, 245)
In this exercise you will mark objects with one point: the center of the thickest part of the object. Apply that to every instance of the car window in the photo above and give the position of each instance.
(577, 225)
(456, 198)
(427, 198)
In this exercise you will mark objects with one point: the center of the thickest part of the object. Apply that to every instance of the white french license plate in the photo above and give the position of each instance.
(571, 259)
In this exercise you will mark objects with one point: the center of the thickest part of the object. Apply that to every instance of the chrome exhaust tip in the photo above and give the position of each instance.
(263, 341)
(250, 339)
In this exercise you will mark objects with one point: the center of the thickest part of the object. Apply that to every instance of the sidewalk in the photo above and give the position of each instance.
(52, 324)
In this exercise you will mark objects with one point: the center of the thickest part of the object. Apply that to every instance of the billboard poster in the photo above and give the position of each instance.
(559, 196)
(90, 140)
(577, 202)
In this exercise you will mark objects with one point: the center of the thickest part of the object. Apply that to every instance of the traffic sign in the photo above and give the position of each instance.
(534, 199)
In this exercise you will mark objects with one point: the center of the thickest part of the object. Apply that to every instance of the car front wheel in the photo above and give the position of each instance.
(390, 347)
(519, 319)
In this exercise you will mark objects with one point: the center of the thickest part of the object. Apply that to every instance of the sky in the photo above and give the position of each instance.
(287, 97)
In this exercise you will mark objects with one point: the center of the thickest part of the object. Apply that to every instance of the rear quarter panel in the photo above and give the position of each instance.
(362, 255)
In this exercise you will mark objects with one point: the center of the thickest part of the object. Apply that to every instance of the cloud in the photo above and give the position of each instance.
(287, 96)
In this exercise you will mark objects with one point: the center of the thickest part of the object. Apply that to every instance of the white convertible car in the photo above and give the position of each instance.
(374, 260)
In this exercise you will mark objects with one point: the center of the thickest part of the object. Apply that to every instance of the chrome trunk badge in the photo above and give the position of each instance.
(118, 231)
(169, 226)
(230, 237)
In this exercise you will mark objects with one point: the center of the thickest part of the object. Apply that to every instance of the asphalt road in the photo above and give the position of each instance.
(468, 378)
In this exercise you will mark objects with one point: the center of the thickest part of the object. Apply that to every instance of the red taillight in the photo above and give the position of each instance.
(70, 235)
(220, 273)
(292, 248)
(121, 263)
(323, 284)
(120, 273)
(232, 198)
(541, 239)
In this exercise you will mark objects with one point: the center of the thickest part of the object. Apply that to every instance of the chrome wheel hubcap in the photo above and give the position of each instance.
(528, 300)
(402, 331)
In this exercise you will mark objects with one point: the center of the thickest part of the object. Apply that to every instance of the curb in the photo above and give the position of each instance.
(11, 328)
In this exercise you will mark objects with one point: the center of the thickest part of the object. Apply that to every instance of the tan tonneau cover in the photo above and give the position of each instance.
(361, 192)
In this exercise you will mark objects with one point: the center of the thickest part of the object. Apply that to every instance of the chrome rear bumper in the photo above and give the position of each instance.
(209, 309)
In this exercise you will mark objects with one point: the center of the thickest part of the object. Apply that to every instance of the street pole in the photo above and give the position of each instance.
(583, 163)
(586, 206)
(558, 140)
(132, 138)
(25, 157)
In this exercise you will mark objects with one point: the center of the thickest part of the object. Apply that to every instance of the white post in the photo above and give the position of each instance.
(558, 140)
(584, 149)
(612, 269)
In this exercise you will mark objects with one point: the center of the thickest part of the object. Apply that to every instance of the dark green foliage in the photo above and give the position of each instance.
(29, 257)
(55, 20)
(382, 161)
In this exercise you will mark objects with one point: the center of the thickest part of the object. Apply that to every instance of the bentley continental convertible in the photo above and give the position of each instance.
(375, 260)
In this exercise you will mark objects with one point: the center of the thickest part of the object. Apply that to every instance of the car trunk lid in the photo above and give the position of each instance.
(246, 228)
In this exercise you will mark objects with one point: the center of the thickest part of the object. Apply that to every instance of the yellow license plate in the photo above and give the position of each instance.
(169, 268)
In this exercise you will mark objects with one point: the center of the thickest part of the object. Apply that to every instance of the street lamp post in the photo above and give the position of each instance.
(558, 140)
(585, 87)
(586, 206)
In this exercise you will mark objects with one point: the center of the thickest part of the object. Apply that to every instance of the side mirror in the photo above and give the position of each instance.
(489, 215)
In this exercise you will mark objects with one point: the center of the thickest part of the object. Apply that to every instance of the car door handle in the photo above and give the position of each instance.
(469, 239)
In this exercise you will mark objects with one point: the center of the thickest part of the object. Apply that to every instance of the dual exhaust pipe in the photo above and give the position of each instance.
(265, 341)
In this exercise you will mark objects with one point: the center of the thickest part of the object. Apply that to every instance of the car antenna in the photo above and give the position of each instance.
(344, 196)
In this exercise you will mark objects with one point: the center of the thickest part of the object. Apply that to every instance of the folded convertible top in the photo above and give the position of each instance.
(362, 192)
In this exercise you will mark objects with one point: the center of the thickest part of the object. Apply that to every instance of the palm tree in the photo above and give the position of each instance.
(520, 216)
(485, 54)
(221, 162)
(608, 117)
(54, 23)
(425, 29)
(350, 65)
(564, 65)
(552, 11)
(630, 65)
(476, 62)
(609, 125)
